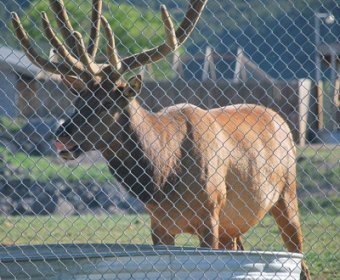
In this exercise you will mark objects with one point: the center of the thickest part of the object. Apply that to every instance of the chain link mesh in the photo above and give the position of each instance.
(93, 175)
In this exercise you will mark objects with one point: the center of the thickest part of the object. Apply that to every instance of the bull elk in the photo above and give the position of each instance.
(212, 173)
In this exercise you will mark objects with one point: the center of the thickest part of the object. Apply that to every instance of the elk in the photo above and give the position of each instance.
(211, 173)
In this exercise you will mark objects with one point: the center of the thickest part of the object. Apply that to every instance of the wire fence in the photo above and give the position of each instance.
(119, 136)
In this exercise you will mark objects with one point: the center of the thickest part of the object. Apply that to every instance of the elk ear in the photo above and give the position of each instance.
(133, 87)
(74, 84)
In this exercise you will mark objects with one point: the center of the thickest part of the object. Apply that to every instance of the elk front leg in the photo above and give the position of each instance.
(208, 232)
(160, 235)
(230, 243)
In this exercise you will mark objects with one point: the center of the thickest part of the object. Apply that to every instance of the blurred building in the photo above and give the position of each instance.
(215, 66)
(26, 90)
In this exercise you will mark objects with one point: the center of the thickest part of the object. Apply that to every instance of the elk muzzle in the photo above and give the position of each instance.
(65, 146)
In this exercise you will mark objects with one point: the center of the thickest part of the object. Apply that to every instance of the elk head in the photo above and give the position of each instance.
(101, 93)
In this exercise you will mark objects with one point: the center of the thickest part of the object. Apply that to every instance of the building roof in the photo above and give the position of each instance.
(17, 61)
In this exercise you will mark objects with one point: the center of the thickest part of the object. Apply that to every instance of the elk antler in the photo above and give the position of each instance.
(79, 60)
(174, 39)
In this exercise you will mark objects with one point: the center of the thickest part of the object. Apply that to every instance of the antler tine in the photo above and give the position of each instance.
(64, 23)
(190, 20)
(170, 33)
(83, 55)
(92, 48)
(62, 51)
(57, 68)
(111, 49)
(182, 33)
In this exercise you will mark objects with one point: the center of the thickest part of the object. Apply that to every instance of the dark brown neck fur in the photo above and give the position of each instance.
(147, 155)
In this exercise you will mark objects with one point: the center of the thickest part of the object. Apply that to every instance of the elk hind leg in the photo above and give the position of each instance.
(285, 213)
(239, 243)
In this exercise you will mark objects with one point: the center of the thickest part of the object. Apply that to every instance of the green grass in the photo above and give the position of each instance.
(45, 168)
(329, 205)
(319, 167)
(8, 124)
(320, 235)
(328, 153)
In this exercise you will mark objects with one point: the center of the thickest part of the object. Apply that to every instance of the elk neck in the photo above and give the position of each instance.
(144, 158)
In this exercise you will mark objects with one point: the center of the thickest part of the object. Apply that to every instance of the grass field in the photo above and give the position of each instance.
(48, 168)
(321, 235)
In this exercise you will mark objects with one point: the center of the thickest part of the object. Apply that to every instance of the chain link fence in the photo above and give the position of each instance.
(104, 161)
